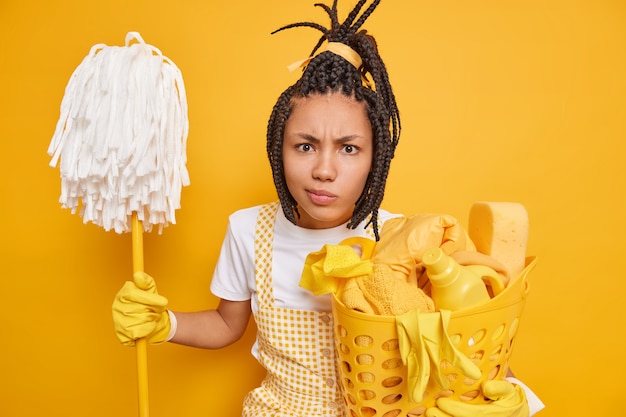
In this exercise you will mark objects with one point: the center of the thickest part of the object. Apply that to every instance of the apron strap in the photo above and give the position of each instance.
(263, 243)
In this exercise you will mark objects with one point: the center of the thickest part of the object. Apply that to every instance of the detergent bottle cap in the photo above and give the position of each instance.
(442, 270)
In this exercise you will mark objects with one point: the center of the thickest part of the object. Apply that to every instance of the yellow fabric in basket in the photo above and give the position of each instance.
(383, 294)
(372, 288)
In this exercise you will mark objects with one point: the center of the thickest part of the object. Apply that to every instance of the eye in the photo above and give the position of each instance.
(304, 147)
(350, 149)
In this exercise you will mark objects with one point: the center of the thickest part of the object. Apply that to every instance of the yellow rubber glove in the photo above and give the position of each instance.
(139, 311)
(424, 342)
(403, 241)
(508, 401)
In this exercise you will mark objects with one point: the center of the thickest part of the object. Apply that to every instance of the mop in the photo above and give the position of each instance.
(120, 143)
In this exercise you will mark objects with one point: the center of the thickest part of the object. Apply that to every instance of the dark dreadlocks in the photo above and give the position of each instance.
(328, 72)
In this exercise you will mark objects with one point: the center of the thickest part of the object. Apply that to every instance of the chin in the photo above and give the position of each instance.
(317, 220)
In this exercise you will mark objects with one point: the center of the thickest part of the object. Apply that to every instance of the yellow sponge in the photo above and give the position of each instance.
(500, 230)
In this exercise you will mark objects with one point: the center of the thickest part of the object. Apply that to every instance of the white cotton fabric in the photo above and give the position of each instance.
(121, 137)
(173, 325)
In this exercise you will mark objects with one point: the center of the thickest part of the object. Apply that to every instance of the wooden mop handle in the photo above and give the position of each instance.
(140, 344)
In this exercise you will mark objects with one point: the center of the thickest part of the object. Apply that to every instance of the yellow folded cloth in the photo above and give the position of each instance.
(325, 271)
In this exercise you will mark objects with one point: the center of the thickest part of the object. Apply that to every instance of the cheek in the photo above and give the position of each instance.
(291, 174)
(359, 178)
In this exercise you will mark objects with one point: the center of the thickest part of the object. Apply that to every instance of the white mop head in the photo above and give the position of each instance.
(122, 136)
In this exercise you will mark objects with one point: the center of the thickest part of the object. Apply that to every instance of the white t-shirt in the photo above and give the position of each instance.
(234, 277)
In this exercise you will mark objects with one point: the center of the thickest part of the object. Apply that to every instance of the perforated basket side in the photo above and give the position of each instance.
(374, 379)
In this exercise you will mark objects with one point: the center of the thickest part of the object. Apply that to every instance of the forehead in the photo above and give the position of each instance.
(333, 109)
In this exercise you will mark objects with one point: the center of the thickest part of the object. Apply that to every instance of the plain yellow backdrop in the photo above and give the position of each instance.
(500, 101)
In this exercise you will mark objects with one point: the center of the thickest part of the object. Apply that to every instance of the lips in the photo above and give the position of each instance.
(321, 197)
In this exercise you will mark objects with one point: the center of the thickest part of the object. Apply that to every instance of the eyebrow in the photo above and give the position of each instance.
(342, 139)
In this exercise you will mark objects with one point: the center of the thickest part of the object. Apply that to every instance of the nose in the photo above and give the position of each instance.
(325, 167)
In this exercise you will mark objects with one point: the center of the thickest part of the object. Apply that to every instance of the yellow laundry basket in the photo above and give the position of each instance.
(374, 379)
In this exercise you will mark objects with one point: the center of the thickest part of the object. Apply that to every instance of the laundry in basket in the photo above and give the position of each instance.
(400, 363)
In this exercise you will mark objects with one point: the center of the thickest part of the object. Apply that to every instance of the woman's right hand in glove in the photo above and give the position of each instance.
(140, 312)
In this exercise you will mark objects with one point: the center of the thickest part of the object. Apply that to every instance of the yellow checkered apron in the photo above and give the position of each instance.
(295, 347)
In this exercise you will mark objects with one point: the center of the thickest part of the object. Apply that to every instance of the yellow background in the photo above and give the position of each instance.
(501, 101)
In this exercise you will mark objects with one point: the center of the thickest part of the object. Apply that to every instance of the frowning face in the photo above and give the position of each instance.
(327, 156)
